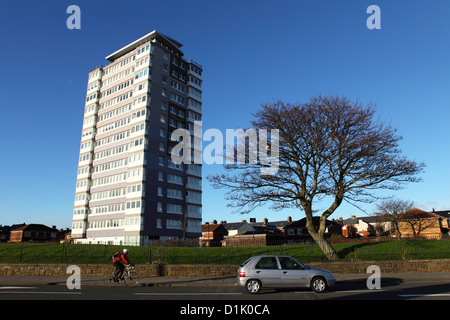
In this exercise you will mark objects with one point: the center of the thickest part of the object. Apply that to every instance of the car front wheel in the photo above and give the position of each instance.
(253, 286)
(318, 284)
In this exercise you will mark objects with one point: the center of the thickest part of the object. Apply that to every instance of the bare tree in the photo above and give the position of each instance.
(419, 221)
(330, 150)
(394, 211)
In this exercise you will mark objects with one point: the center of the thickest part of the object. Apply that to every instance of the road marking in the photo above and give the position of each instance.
(425, 295)
(185, 293)
(39, 292)
(369, 290)
(10, 288)
(354, 291)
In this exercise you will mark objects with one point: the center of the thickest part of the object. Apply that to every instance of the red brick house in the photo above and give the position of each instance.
(297, 231)
(356, 227)
(34, 233)
(212, 235)
(256, 238)
(419, 223)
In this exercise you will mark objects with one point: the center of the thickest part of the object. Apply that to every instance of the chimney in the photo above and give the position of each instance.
(214, 222)
(266, 221)
(289, 219)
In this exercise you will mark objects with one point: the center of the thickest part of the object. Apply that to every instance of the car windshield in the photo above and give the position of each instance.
(304, 266)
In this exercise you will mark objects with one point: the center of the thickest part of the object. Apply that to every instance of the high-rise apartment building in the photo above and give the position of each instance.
(128, 189)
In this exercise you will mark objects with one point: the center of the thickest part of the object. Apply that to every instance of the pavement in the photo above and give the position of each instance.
(216, 281)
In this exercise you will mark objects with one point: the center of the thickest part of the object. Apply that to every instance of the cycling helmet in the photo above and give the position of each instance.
(126, 251)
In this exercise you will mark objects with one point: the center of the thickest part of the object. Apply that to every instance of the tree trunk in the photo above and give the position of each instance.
(327, 249)
(397, 230)
(319, 238)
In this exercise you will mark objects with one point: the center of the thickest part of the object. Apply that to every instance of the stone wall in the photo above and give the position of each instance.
(219, 270)
(388, 266)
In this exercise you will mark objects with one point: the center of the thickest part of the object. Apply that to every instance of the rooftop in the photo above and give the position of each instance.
(34, 227)
(148, 37)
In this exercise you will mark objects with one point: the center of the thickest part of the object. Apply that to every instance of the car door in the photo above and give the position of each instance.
(292, 273)
(267, 269)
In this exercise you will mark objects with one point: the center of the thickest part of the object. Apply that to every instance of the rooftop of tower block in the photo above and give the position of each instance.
(154, 35)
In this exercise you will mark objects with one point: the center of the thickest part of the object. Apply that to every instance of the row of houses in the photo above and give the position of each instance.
(416, 223)
(430, 225)
(434, 225)
(261, 233)
(33, 233)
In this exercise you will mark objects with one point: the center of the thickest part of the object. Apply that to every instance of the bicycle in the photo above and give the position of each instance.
(129, 277)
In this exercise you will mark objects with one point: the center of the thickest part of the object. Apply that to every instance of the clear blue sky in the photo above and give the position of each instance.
(252, 52)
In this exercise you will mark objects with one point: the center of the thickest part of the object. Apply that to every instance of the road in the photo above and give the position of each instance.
(196, 301)
(393, 287)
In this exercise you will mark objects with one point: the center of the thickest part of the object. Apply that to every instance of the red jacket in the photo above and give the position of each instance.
(122, 257)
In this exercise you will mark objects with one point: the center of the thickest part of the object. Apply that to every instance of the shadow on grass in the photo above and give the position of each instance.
(345, 253)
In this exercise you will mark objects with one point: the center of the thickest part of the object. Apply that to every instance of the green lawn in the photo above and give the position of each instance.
(73, 254)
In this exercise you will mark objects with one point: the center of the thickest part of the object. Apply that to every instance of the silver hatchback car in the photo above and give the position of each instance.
(278, 271)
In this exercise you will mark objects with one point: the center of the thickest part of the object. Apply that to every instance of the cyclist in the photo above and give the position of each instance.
(117, 258)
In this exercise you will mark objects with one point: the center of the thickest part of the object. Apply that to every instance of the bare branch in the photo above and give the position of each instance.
(328, 147)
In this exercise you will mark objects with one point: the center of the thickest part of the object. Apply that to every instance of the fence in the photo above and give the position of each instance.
(347, 251)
